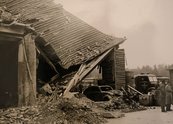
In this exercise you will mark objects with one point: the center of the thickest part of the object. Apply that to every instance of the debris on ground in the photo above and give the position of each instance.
(125, 103)
(58, 111)
(77, 110)
(72, 111)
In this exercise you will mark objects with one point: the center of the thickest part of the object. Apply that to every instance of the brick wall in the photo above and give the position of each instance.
(119, 68)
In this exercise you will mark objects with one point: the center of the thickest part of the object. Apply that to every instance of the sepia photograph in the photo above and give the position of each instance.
(86, 62)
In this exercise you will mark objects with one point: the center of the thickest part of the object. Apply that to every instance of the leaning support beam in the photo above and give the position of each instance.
(83, 71)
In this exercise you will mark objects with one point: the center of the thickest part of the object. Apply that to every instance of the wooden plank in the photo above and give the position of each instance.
(84, 70)
(93, 64)
(135, 90)
(74, 80)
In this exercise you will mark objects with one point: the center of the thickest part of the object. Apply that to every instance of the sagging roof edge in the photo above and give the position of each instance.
(57, 62)
(56, 55)
(73, 41)
(20, 29)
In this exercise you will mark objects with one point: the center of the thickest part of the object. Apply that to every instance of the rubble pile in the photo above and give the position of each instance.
(76, 110)
(69, 110)
(60, 111)
(123, 103)
(128, 105)
(56, 84)
(19, 115)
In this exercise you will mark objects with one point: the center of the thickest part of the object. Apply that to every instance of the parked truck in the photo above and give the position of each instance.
(147, 84)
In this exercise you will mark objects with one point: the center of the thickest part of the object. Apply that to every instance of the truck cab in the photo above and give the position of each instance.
(145, 82)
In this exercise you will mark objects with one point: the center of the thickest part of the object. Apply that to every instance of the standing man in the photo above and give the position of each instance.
(162, 95)
(169, 91)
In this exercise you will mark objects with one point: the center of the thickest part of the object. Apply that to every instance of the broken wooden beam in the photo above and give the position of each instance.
(83, 71)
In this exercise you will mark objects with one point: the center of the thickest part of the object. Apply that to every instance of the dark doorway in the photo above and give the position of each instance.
(8, 73)
(108, 70)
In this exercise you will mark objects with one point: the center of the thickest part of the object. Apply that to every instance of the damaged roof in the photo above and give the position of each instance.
(66, 39)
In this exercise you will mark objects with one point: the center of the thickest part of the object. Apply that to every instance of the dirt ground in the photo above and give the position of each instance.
(149, 116)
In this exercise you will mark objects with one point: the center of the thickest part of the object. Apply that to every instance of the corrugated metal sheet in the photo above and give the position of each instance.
(67, 39)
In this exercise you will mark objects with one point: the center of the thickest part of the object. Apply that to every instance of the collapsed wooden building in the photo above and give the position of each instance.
(40, 40)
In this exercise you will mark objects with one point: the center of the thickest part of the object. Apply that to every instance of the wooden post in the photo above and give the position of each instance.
(31, 56)
(27, 85)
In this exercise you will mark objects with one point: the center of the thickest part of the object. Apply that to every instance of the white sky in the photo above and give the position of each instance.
(147, 24)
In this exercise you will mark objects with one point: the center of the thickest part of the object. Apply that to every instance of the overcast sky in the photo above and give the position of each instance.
(147, 24)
